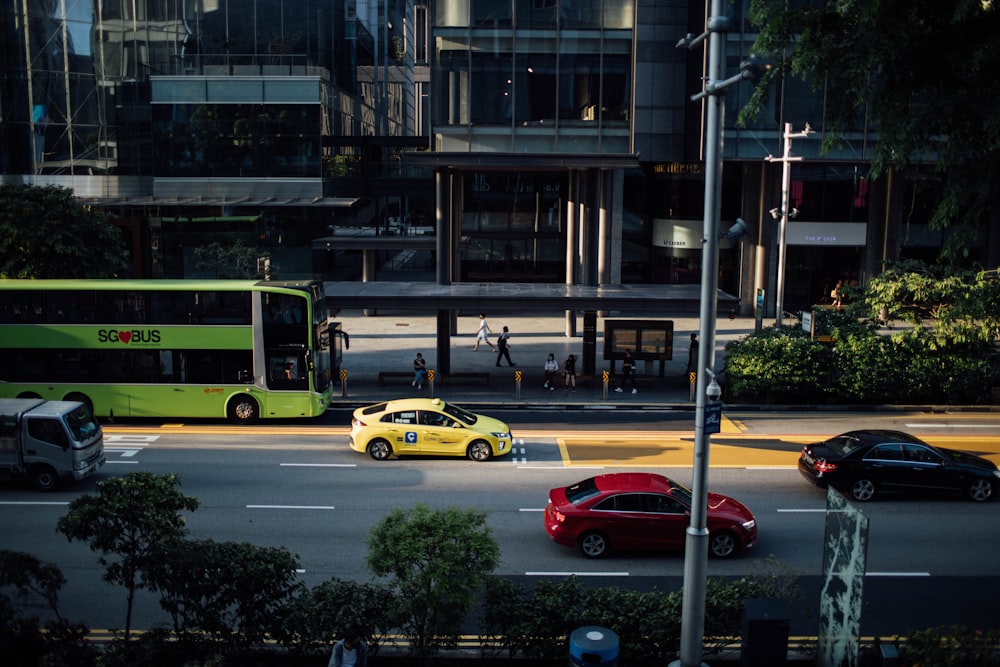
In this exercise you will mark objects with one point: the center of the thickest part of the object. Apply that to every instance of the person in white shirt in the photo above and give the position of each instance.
(551, 368)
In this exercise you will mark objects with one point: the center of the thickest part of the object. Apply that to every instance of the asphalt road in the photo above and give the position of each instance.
(929, 561)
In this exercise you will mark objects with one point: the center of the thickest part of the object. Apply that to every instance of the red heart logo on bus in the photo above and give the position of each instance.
(125, 336)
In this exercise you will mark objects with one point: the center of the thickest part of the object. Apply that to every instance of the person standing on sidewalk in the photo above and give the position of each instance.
(569, 367)
(628, 372)
(483, 334)
(503, 347)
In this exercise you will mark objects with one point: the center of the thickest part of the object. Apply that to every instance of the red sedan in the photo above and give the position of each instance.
(637, 510)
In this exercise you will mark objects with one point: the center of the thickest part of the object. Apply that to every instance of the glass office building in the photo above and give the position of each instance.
(506, 140)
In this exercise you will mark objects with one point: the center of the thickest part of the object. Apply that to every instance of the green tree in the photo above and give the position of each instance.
(236, 261)
(127, 522)
(46, 233)
(27, 584)
(923, 72)
(232, 592)
(959, 305)
(320, 615)
(437, 561)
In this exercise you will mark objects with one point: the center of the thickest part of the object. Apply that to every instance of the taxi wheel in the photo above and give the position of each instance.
(479, 451)
(380, 449)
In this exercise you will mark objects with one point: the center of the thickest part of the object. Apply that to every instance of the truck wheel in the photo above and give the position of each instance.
(44, 478)
(243, 409)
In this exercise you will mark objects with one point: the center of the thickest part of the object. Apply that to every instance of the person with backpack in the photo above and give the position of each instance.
(503, 347)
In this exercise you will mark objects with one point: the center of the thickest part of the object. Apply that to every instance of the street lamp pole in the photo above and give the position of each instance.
(696, 543)
(786, 171)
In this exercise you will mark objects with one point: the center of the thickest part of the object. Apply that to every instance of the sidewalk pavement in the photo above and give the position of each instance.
(389, 340)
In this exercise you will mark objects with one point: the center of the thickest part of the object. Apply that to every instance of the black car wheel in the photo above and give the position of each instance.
(863, 489)
(479, 451)
(379, 449)
(980, 490)
(722, 544)
(594, 545)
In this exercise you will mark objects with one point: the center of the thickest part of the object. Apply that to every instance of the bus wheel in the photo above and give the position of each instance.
(243, 409)
(28, 394)
(44, 478)
(81, 398)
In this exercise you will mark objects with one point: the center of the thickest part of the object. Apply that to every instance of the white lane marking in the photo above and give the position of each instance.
(289, 507)
(897, 574)
(122, 451)
(319, 465)
(32, 502)
(576, 574)
(518, 459)
(121, 463)
(801, 510)
(559, 464)
(128, 438)
(920, 425)
(531, 509)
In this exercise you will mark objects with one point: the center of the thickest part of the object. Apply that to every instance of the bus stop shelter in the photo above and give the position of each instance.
(447, 301)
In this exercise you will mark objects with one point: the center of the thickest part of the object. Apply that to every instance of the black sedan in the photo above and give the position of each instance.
(866, 463)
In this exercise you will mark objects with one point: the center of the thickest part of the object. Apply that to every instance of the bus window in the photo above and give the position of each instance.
(122, 308)
(23, 306)
(69, 307)
(173, 307)
(225, 307)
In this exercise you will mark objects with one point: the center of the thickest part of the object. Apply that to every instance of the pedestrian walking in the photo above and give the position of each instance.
(628, 373)
(503, 347)
(482, 336)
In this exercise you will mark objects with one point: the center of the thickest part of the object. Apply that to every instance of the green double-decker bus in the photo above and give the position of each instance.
(240, 349)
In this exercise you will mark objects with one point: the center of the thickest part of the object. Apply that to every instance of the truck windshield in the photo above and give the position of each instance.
(82, 424)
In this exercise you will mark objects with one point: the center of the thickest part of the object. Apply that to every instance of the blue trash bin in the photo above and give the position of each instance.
(593, 646)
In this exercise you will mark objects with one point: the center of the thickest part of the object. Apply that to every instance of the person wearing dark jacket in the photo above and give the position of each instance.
(351, 651)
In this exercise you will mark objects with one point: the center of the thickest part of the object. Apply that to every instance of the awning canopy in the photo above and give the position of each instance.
(251, 202)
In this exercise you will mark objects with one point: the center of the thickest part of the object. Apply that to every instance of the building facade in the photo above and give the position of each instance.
(549, 141)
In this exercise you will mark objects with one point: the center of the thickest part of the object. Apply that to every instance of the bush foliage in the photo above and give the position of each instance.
(944, 354)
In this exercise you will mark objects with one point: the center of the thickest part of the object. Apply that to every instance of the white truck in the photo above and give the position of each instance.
(48, 441)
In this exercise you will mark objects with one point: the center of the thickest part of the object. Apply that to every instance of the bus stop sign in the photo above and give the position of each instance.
(713, 418)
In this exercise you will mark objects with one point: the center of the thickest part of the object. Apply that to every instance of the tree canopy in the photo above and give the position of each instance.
(922, 72)
(127, 522)
(46, 233)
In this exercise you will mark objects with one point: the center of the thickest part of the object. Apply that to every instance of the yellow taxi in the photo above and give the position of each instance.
(428, 426)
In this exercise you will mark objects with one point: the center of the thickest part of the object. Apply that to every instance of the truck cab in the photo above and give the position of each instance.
(45, 442)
